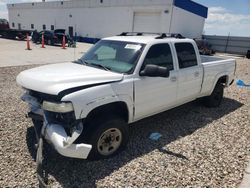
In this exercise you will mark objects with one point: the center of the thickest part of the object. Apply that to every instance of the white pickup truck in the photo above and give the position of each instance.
(83, 108)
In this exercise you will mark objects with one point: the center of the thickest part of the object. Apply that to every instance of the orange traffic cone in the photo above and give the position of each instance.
(43, 40)
(28, 42)
(63, 42)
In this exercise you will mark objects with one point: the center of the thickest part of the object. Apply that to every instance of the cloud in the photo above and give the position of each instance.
(221, 22)
(217, 10)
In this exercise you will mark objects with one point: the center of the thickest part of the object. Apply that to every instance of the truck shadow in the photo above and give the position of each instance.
(172, 125)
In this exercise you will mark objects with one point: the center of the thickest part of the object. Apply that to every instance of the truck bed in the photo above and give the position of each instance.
(207, 59)
(214, 68)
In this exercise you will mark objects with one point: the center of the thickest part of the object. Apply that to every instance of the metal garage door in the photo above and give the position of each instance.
(147, 22)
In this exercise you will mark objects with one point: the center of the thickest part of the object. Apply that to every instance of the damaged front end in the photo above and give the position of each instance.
(58, 124)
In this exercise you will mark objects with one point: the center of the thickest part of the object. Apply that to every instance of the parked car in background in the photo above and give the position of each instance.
(51, 37)
(6, 32)
(204, 47)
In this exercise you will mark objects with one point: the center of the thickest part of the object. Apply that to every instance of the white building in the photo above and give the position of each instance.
(102, 18)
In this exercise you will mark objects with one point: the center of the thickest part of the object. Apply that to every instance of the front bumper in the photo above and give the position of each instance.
(56, 135)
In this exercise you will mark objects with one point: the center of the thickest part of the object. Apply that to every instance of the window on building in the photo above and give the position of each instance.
(32, 26)
(186, 55)
(44, 27)
(101, 1)
(61, 3)
(52, 27)
(13, 24)
(160, 55)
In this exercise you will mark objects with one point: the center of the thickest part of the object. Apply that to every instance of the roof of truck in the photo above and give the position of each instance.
(144, 39)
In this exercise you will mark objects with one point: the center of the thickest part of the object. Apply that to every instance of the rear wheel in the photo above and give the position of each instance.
(214, 100)
(108, 136)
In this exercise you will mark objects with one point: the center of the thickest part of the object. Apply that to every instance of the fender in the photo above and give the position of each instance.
(110, 99)
(84, 101)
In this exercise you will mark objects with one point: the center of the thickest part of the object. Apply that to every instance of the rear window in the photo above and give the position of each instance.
(186, 55)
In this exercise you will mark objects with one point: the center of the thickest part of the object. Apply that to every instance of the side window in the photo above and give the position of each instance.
(160, 55)
(186, 55)
(105, 52)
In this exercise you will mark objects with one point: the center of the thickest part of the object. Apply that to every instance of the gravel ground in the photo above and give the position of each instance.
(200, 147)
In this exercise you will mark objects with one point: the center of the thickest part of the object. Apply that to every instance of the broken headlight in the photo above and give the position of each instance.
(61, 107)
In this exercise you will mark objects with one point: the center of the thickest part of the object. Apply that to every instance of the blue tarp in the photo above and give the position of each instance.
(241, 83)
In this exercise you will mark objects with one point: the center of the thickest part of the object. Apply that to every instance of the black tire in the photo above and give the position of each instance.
(95, 131)
(214, 100)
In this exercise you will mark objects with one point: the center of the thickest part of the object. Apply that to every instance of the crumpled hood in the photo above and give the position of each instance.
(52, 79)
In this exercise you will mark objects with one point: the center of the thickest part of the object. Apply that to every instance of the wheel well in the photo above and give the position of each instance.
(115, 109)
(223, 80)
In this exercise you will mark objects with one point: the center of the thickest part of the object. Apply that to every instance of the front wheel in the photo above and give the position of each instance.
(214, 100)
(108, 136)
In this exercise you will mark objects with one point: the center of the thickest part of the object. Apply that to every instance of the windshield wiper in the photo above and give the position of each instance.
(80, 61)
(101, 66)
(85, 62)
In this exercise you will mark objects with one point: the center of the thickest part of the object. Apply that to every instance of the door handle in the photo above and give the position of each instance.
(196, 74)
(173, 78)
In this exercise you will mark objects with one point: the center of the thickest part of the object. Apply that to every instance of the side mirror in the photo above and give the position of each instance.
(154, 71)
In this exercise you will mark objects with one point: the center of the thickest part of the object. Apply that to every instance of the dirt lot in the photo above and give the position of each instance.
(200, 147)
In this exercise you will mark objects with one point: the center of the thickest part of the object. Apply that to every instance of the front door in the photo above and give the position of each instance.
(156, 94)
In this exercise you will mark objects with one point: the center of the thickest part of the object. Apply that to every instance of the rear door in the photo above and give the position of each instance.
(156, 94)
(189, 73)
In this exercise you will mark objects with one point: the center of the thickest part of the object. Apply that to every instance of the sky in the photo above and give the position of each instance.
(225, 17)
